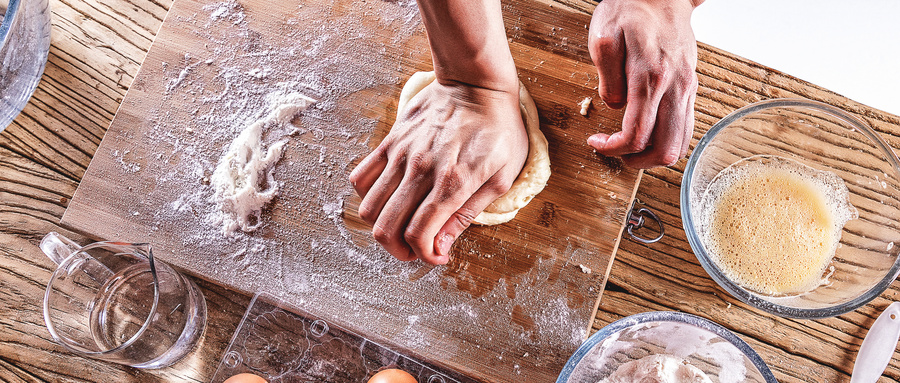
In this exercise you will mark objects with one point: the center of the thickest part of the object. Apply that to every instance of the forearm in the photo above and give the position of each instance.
(468, 43)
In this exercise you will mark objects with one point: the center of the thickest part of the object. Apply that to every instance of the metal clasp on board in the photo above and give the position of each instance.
(636, 220)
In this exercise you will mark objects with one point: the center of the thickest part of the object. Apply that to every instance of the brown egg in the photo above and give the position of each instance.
(245, 378)
(392, 375)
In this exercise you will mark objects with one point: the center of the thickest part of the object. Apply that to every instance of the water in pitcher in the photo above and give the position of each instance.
(113, 301)
(144, 332)
(115, 319)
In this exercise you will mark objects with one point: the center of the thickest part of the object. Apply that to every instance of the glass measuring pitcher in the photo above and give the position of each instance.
(112, 301)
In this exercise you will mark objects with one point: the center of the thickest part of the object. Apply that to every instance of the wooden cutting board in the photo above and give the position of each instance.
(516, 299)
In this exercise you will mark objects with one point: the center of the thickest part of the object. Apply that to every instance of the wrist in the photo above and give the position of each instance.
(468, 43)
(487, 70)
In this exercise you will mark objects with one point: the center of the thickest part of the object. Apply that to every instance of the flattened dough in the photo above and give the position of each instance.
(534, 174)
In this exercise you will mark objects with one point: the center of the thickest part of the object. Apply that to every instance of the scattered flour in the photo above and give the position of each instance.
(303, 251)
(243, 180)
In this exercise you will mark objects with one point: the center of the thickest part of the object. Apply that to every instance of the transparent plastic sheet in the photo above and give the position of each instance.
(285, 344)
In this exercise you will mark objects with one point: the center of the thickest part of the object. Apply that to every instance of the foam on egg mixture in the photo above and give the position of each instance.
(772, 225)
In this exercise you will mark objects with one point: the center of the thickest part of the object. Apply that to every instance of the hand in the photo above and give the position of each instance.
(646, 56)
(454, 150)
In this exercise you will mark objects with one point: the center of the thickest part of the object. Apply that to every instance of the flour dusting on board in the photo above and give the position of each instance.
(243, 180)
(300, 248)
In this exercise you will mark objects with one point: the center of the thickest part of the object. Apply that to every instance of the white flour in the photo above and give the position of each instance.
(243, 180)
(657, 368)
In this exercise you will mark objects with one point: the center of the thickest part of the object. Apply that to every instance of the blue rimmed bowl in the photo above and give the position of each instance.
(708, 346)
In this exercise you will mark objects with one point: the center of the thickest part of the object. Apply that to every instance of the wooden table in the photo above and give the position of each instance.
(97, 48)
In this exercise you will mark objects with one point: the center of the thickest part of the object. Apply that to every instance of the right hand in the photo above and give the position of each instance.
(452, 152)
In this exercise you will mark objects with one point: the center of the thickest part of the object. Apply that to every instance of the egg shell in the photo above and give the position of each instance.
(392, 375)
(245, 378)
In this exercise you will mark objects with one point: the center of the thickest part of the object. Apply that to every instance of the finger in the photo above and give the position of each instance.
(369, 169)
(375, 197)
(454, 199)
(668, 133)
(452, 190)
(390, 227)
(608, 54)
(689, 129)
(637, 123)
(460, 219)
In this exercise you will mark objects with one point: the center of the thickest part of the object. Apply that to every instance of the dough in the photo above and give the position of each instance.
(243, 180)
(657, 369)
(535, 172)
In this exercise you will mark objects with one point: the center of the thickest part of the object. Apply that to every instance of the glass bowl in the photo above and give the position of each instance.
(824, 138)
(701, 343)
(24, 44)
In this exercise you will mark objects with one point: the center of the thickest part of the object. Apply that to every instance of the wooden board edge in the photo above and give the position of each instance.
(612, 256)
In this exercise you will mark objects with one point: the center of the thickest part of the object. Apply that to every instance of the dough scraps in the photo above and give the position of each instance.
(535, 172)
(243, 180)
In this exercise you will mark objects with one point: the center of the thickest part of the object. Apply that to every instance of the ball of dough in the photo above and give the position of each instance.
(535, 172)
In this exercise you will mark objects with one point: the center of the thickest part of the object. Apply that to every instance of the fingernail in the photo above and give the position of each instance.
(444, 242)
(596, 141)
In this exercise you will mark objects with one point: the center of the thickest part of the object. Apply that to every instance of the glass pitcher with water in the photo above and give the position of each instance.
(113, 301)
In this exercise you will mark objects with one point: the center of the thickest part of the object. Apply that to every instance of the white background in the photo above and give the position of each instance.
(849, 47)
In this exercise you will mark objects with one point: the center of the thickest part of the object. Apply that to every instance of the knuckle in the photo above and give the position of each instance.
(636, 145)
(499, 185)
(464, 217)
(382, 235)
(368, 215)
(603, 45)
(449, 181)
(420, 163)
(658, 74)
(415, 237)
(686, 82)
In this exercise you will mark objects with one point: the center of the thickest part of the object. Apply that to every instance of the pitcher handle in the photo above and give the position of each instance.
(57, 247)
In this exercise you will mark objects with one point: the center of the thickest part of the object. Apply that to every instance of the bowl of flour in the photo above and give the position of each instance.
(665, 347)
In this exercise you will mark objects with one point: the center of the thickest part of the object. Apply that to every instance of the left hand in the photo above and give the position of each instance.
(646, 56)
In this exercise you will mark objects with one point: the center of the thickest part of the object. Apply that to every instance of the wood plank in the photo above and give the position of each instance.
(519, 301)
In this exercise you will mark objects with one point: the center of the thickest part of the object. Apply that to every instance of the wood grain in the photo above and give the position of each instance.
(97, 48)
(522, 302)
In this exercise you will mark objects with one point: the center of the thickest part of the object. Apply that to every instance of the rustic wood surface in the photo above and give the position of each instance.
(97, 48)
(524, 299)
